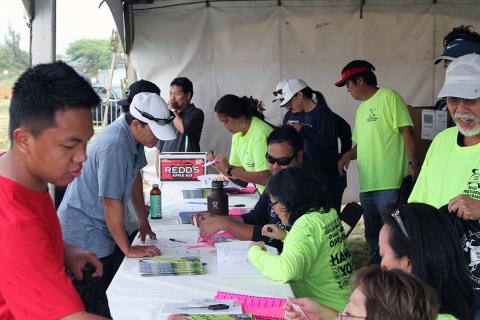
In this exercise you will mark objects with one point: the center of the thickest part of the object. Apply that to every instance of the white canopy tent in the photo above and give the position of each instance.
(246, 47)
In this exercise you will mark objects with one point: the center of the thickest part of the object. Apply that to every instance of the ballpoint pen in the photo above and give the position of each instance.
(175, 240)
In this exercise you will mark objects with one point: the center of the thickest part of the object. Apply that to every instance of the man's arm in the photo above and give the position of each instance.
(114, 217)
(344, 161)
(259, 177)
(178, 122)
(82, 316)
(138, 203)
(466, 208)
(409, 139)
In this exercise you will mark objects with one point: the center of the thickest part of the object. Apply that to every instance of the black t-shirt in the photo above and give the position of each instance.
(189, 141)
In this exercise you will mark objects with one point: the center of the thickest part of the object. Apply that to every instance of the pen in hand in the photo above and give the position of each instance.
(175, 240)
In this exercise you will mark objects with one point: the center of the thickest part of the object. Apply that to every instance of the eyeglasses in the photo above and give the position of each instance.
(343, 315)
(396, 216)
(454, 101)
(276, 93)
(160, 121)
(280, 161)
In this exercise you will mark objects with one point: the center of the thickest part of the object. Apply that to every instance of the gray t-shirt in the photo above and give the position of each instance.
(114, 160)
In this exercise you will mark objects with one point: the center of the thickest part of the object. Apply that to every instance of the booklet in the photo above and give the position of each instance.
(164, 266)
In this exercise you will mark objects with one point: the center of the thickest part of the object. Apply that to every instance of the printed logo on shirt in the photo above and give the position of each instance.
(472, 189)
(471, 246)
(250, 163)
(340, 262)
(372, 117)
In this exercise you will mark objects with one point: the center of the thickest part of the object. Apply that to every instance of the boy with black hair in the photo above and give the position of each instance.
(50, 124)
(385, 144)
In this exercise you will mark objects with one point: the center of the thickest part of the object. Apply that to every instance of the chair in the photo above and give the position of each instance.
(350, 215)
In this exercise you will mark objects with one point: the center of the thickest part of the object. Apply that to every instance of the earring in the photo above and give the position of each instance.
(241, 125)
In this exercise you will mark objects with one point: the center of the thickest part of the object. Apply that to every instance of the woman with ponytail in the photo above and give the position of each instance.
(243, 117)
(320, 130)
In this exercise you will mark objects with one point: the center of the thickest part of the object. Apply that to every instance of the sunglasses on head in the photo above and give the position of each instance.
(160, 121)
(276, 93)
(280, 161)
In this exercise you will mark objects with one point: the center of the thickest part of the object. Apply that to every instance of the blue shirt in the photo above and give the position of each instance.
(114, 161)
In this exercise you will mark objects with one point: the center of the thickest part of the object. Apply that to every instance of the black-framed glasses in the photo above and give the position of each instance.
(346, 316)
(276, 93)
(396, 216)
(280, 161)
(160, 121)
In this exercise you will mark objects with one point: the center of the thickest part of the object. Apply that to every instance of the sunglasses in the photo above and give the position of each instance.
(276, 93)
(279, 161)
(160, 121)
(396, 216)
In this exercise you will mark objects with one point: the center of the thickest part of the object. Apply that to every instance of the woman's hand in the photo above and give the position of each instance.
(260, 244)
(274, 232)
(301, 309)
(221, 164)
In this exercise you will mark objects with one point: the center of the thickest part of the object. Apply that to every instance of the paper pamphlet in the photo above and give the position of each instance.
(263, 308)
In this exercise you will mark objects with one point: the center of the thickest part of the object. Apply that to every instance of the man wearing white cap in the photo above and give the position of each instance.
(451, 170)
(92, 213)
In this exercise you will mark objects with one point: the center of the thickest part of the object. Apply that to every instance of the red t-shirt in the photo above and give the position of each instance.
(33, 283)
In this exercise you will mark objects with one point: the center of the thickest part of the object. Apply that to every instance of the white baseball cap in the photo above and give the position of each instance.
(290, 88)
(153, 110)
(462, 79)
(278, 93)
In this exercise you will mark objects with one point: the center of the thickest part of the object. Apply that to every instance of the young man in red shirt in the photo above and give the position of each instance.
(50, 124)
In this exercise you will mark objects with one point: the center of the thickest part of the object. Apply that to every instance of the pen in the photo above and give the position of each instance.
(175, 240)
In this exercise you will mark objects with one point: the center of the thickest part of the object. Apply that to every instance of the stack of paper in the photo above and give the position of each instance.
(162, 266)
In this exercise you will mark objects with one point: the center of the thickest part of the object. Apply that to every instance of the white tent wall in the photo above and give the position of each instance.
(246, 47)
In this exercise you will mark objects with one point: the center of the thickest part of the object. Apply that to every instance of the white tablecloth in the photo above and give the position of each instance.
(132, 296)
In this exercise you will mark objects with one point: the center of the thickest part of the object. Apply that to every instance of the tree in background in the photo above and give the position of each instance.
(89, 55)
(13, 60)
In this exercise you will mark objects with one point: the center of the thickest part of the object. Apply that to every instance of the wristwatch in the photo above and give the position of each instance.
(413, 163)
(229, 171)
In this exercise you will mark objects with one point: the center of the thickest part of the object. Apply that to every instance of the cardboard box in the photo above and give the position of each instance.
(181, 166)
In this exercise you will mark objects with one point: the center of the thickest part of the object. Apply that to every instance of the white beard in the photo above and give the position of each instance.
(467, 132)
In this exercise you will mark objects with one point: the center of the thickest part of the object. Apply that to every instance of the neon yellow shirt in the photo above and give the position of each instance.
(249, 150)
(315, 259)
(446, 316)
(381, 155)
(448, 171)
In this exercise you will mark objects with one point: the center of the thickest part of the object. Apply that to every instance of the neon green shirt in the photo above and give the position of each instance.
(448, 171)
(315, 259)
(446, 316)
(248, 151)
(381, 155)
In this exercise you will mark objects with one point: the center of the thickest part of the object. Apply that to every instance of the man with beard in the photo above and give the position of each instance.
(451, 170)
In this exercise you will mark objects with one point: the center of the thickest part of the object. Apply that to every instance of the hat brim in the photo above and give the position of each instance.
(460, 90)
(164, 132)
(123, 102)
(442, 57)
(341, 82)
(286, 100)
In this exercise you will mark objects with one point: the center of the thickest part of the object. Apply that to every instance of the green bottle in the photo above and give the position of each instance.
(155, 202)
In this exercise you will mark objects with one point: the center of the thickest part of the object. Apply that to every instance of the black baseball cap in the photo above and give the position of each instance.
(458, 48)
(137, 87)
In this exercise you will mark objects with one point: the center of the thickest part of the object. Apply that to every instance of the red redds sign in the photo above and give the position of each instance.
(181, 169)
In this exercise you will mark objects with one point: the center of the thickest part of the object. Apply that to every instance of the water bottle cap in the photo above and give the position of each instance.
(155, 185)
(217, 184)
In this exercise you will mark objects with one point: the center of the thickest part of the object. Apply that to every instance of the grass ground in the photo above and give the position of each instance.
(356, 241)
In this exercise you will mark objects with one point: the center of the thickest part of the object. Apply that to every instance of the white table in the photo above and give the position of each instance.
(132, 296)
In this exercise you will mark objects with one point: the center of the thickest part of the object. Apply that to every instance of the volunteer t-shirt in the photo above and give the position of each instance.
(248, 151)
(33, 283)
(446, 316)
(381, 155)
(315, 259)
(449, 170)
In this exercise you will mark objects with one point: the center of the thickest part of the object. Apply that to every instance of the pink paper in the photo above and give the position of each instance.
(263, 308)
